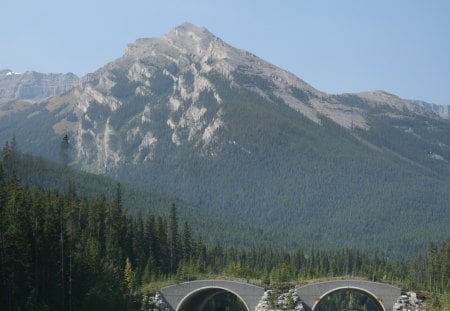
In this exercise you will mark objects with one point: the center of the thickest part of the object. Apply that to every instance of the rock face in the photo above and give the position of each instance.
(33, 86)
(178, 82)
(381, 98)
(171, 82)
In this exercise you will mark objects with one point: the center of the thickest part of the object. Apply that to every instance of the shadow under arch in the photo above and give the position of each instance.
(376, 300)
(197, 299)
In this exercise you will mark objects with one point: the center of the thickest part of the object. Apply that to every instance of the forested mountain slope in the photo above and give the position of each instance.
(136, 200)
(188, 115)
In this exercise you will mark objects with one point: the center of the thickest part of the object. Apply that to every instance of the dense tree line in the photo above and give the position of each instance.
(432, 273)
(64, 251)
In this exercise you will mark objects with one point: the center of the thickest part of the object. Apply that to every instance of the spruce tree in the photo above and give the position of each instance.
(173, 239)
(129, 275)
(187, 243)
(65, 150)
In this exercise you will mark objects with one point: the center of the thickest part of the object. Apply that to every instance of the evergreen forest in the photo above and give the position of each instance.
(61, 250)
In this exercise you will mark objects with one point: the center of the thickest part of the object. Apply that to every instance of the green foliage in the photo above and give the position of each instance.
(66, 251)
(432, 273)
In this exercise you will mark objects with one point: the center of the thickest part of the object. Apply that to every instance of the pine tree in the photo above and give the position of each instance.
(65, 150)
(14, 148)
(7, 158)
(115, 226)
(173, 239)
(187, 242)
(432, 267)
(200, 251)
(151, 242)
(2, 188)
(445, 266)
(140, 245)
(148, 273)
(118, 197)
(162, 245)
(2, 173)
(129, 275)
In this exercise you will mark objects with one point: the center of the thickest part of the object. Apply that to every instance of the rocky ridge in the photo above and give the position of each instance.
(33, 86)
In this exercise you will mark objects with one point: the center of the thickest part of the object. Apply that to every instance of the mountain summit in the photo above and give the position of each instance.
(189, 115)
(176, 77)
(187, 39)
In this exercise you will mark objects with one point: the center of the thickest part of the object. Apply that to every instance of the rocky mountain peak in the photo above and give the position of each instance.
(191, 39)
(189, 45)
(188, 30)
(185, 39)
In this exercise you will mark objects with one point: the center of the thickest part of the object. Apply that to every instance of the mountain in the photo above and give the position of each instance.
(189, 115)
(20, 90)
(33, 86)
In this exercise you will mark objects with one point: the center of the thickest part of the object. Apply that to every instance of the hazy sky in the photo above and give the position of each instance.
(337, 46)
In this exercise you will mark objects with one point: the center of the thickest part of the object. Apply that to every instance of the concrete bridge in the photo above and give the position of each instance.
(192, 296)
(383, 295)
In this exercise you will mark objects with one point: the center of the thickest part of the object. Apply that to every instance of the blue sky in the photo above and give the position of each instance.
(400, 46)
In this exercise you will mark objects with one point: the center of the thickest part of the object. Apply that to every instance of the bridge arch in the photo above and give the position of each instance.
(375, 299)
(184, 296)
(384, 295)
(199, 297)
